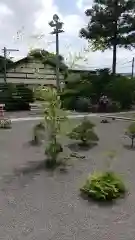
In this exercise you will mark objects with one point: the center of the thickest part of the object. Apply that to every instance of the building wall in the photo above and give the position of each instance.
(33, 72)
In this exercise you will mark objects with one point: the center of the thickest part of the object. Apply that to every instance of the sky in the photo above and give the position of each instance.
(24, 25)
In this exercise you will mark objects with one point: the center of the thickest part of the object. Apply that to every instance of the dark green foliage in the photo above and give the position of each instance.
(82, 104)
(68, 98)
(16, 97)
(46, 56)
(105, 186)
(111, 24)
(130, 132)
(84, 132)
(122, 90)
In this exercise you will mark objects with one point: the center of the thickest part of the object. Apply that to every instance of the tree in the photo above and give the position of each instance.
(111, 24)
(53, 117)
(84, 132)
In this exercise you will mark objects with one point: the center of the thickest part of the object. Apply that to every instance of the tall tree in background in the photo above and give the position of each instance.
(111, 24)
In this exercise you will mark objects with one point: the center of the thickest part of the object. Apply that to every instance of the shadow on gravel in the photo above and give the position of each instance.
(101, 203)
(128, 147)
(79, 147)
(31, 168)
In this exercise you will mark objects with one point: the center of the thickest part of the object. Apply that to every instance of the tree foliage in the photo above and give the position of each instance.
(111, 24)
(84, 132)
(53, 117)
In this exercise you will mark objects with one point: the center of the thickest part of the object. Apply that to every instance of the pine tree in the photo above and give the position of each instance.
(111, 25)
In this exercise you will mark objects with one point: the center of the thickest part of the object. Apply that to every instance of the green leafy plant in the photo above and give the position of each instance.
(105, 186)
(130, 132)
(84, 132)
(53, 117)
(5, 123)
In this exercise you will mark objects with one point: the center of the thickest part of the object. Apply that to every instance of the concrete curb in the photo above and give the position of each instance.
(74, 117)
(118, 118)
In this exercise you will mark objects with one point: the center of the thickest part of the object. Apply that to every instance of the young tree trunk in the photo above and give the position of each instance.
(115, 26)
(114, 57)
(132, 144)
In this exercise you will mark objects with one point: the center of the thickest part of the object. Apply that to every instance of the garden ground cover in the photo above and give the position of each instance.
(47, 205)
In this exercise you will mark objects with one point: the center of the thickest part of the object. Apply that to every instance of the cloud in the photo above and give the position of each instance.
(72, 23)
(84, 4)
(5, 10)
(22, 21)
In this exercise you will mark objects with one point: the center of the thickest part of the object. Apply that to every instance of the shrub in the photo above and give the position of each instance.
(121, 89)
(104, 186)
(15, 97)
(130, 132)
(82, 104)
(5, 123)
(84, 132)
(25, 93)
(68, 99)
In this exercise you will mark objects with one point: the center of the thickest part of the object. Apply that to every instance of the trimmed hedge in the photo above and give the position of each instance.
(16, 97)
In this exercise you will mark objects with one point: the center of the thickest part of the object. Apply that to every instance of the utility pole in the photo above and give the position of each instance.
(57, 25)
(5, 61)
(133, 65)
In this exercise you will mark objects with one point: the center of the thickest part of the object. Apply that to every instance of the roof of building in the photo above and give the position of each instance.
(50, 59)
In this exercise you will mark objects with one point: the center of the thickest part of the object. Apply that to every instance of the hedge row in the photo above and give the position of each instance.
(16, 97)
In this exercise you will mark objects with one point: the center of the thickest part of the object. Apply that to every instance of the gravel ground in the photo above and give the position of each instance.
(47, 206)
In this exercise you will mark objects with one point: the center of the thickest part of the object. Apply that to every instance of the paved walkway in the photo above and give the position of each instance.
(73, 116)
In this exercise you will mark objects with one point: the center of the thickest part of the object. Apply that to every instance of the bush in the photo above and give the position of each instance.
(82, 104)
(84, 132)
(5, 123)
(68, 99)
(130, 132)
(104, 186)
(121, 90)
(26, 94)
(16, 97)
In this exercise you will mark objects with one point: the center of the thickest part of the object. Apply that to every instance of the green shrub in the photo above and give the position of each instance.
(82, 104)
(84, 132)
(26, 94)
(130, 132)
(104, 186)
(121, 89)
(68, 99)
(5, 123)
(16, 97)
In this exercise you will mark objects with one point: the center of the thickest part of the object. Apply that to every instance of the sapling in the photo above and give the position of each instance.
(130, 132)
(84, 132)
(53, 117)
